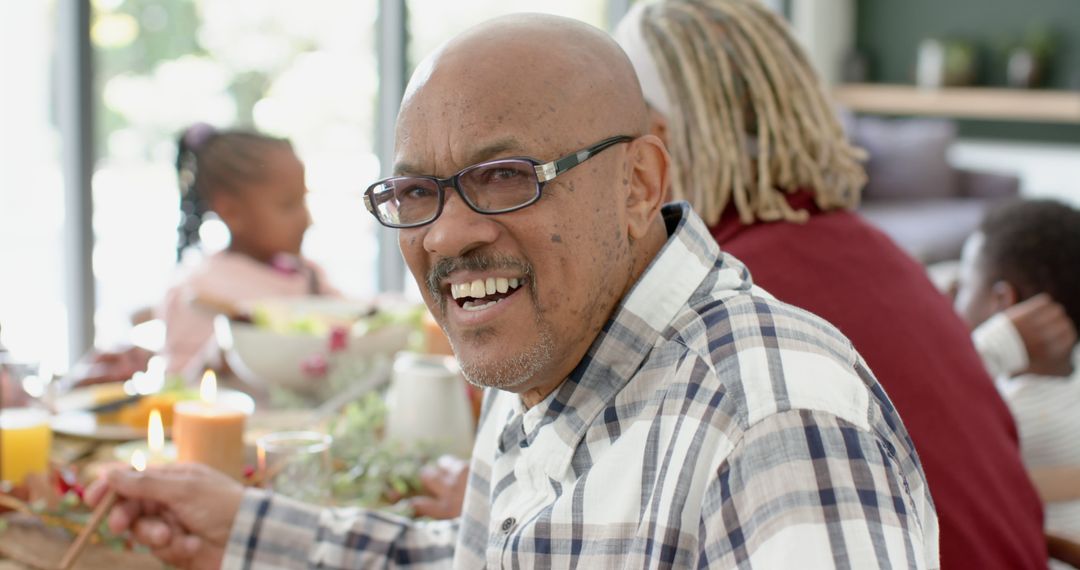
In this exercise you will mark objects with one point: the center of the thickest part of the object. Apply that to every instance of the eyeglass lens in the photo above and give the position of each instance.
(489, 187)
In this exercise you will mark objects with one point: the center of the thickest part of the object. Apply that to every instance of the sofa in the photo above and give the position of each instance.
(914, 195)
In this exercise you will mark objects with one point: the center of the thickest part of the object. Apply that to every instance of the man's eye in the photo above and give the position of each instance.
(502, 175)
(505, 173)
(416, 193)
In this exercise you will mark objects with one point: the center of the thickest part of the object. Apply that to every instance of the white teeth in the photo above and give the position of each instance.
(474, 306)
(480, 288)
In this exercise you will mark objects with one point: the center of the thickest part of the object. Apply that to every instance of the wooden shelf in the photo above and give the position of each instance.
(989, 103)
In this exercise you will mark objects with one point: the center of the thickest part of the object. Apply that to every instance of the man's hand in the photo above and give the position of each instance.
(182, 512)
(445, 482)
(1048, 333)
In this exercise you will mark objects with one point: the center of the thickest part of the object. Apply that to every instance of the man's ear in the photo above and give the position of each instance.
(1003, 295)
(648, 175)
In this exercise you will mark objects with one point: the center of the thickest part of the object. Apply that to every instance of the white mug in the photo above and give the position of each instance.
(427, 404)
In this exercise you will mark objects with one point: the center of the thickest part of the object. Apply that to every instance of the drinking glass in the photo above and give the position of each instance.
(25, 441)
(296, 464)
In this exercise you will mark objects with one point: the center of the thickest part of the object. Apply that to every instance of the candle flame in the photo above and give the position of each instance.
(208, 387)
(138, 460)
(155, 433)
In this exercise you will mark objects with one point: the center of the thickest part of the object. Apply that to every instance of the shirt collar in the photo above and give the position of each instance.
(682, 267)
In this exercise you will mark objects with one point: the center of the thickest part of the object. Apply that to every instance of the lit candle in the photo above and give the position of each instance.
(154, 450)
(155, 437)
(210, 432)
(25, 440)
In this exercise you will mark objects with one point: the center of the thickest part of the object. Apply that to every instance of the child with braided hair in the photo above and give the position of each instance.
(255, 184)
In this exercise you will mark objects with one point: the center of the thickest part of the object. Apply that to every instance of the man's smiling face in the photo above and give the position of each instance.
(521, 295)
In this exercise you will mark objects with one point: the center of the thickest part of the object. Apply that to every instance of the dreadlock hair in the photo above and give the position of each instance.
(750, 118)
(208, 162)
(1034, 245)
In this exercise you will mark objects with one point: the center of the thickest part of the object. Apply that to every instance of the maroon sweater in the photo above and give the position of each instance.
(839, 267)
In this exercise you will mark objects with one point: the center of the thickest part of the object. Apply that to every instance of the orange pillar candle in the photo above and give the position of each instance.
(210, 432)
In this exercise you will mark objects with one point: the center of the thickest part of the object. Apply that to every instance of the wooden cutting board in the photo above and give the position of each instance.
(29, 544)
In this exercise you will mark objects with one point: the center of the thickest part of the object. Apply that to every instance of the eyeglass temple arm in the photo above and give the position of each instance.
(370, 204)
(549, 170)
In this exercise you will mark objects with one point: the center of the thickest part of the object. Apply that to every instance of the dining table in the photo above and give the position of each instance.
(367, 469)
(31, 537)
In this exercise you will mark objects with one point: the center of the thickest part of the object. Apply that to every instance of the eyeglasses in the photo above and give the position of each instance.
(492, 187)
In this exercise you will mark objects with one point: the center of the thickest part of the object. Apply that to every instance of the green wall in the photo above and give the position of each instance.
(889, 32)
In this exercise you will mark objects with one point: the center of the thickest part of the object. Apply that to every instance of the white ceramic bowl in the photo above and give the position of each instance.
(270, 358)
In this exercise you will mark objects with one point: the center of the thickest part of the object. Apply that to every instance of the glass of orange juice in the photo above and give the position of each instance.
(25, 441)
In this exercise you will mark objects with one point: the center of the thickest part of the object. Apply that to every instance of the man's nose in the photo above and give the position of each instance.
(459, 229)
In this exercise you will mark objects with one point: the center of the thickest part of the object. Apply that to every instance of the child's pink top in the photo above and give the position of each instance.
(232, 278)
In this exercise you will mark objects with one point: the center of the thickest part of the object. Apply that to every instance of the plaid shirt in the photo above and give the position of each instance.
(709, 426)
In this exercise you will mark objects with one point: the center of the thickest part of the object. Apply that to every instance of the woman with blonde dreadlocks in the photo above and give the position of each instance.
(759, 153)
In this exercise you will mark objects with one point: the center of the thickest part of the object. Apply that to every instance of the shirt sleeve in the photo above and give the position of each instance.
(275, 533)
(805, 489)
(1000, 346)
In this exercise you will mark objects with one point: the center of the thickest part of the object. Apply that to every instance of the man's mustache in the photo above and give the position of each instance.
(444, 267)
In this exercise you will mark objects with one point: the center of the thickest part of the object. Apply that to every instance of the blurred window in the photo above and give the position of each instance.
(302, 70)
(32, 312)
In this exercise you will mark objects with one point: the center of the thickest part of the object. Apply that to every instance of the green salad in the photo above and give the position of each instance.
(369, 471)
(285, 319)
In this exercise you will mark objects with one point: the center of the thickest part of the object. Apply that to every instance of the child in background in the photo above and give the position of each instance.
(1029, 253)
(255, 184)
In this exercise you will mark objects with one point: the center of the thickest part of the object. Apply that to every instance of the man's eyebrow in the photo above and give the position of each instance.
(494, 149)
(484, 153)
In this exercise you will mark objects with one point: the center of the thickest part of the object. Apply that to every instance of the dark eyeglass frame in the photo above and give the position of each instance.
(545, 172)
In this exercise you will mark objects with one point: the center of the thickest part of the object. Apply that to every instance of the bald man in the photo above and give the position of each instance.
(648, 405)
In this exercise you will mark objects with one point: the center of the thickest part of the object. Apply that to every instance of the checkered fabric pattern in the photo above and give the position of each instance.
(709, 426)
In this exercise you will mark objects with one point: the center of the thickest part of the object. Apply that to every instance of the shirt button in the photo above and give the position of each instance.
(508, 524)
